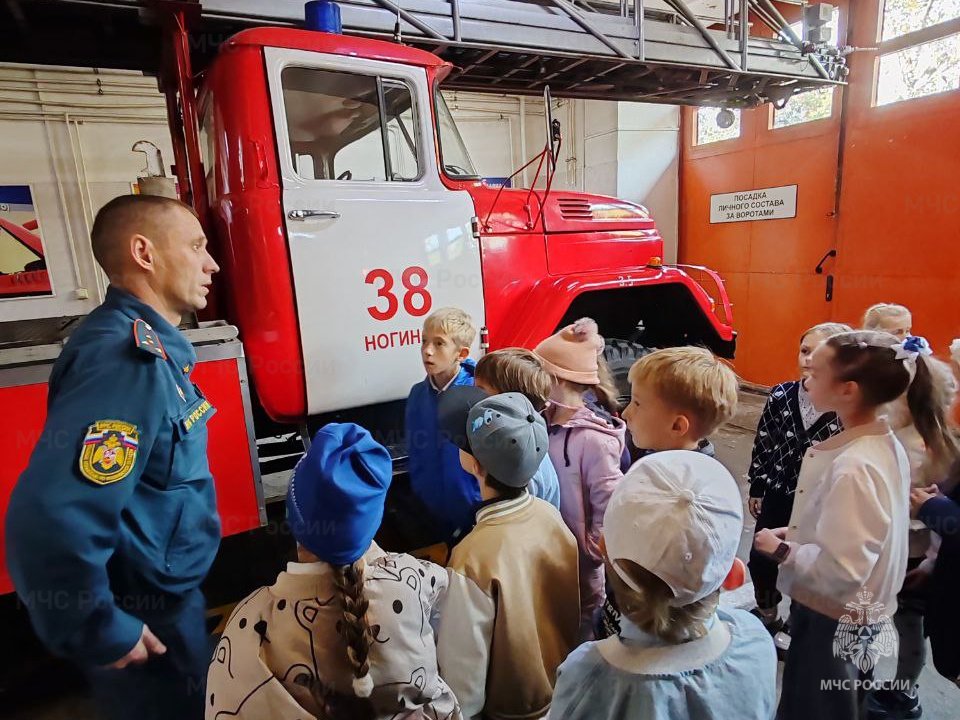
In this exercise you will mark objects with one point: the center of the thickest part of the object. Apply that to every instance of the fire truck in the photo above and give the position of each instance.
(343, 207)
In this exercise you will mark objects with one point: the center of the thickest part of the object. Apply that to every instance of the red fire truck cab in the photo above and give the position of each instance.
(346, 208)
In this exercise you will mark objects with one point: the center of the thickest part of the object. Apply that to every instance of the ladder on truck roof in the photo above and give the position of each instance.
(640, 50)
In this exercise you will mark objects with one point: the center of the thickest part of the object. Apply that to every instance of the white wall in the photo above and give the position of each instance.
(648, 164)
(600, 147)
(69, 139)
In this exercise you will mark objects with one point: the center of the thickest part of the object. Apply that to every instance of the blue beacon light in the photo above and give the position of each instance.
(323, 16)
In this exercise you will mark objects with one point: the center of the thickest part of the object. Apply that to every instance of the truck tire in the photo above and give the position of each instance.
(620, 356)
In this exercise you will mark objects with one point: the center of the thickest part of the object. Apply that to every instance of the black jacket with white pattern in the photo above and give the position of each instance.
(782, 441)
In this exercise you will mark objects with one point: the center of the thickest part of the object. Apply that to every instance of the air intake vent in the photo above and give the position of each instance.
(575, 209)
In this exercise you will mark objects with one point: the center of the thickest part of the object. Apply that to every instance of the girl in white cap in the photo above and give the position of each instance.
(671, 532)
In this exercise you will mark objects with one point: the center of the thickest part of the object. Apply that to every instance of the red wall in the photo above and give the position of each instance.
(896, 227)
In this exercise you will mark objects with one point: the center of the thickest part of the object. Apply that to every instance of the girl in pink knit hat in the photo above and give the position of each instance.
(586, 445)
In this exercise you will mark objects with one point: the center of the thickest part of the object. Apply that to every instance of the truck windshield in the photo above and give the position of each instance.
(453, 153)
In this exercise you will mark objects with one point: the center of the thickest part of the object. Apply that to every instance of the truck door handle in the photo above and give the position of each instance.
(304, 214)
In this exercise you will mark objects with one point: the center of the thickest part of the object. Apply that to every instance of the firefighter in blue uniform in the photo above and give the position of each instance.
(113, 525)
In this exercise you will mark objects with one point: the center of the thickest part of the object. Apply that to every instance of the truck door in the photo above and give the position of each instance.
(376, 241)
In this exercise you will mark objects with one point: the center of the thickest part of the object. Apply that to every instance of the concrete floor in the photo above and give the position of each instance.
(733, 445)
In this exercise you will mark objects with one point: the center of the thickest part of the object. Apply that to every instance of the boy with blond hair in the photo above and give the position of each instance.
(678, 396)
(671, 532)
(517, 369)
(449, 493)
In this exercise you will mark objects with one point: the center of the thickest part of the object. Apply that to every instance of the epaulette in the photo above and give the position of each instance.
(146, 339)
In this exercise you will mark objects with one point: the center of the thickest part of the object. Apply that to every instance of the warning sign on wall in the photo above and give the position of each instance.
(763, 204)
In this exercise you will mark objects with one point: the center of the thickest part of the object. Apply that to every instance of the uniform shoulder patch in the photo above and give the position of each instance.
(146, 339)
(109, 451)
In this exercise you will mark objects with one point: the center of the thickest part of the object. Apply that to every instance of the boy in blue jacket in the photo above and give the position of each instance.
(449, 492)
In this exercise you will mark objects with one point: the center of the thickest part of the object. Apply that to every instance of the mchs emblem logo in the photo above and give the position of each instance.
(109, 451)
(866, 634)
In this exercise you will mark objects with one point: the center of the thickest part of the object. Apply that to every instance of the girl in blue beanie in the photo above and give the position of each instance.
(345, 632)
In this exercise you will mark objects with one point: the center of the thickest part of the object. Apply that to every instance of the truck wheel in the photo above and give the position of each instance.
(620, 356)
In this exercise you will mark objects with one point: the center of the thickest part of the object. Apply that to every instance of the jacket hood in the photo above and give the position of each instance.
(587, 417)
(468, 369)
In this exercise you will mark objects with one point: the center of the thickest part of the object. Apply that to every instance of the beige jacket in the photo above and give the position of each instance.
(512, 611)
(848, 530)
(282, 637)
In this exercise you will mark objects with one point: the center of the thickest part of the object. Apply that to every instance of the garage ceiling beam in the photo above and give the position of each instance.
(588, 26)
(682, 8)
(504, 45)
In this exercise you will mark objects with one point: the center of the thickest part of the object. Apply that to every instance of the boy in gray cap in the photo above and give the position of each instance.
(511, 612)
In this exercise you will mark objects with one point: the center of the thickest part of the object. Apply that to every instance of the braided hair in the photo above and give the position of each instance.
(355, 630)
(331, 705)
(356, 634)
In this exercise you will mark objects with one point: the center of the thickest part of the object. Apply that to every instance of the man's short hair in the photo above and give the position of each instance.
(516, 370)
(125, 216)
(692, 380)
(454, 323)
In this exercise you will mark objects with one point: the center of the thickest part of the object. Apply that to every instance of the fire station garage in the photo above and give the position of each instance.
(479, 359)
